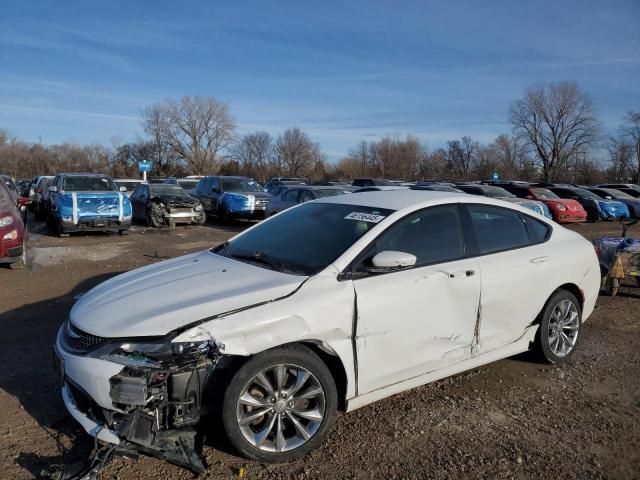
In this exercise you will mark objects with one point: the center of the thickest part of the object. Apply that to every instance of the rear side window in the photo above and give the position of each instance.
(538, 231)
(291, 195)
(497, 228)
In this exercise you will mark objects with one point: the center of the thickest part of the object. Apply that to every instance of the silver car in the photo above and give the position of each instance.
(293, 196)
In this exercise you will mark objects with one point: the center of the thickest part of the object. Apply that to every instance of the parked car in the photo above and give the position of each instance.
(296, 195)
(272, 185)
(319, 308)
(622, 186)
(372, 182)
(87, 202)
(189, 184)
(563, 210)
(32, 188)
(14, 193)
(229, 197)
(378, 188)
(633, 204)
(436, 187)
(493, 191)
(41, 198)
(129, 183)
(597, 208)
(13, 232)
(157, 205)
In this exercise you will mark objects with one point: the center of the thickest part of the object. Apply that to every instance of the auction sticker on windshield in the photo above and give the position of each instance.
(367, 217)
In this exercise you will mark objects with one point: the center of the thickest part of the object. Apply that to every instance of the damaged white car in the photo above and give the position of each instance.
(330, 305)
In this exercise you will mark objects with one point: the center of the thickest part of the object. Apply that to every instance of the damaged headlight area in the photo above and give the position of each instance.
(158, 394)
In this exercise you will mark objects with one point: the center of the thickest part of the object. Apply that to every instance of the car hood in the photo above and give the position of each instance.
(569, 203)
(255, 194)
(160, 298)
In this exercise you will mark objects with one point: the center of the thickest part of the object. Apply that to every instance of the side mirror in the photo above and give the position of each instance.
(23, 202)
(392, 260)
(123, 189)
(53, 189)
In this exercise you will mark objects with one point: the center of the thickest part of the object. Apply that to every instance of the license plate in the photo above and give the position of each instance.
(58, 365)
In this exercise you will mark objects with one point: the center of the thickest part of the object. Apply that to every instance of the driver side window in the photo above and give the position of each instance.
(433, 235)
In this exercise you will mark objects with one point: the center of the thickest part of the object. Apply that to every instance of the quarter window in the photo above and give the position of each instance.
(433, 235)
(538, 231)
(497, 228)
(291, 195)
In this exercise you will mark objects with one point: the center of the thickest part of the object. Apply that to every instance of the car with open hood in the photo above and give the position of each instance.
(161, 204)
(334, 303)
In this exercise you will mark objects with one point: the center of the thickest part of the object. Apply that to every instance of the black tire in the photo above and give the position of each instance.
(543, 343)
(60, 230)
(291, 355)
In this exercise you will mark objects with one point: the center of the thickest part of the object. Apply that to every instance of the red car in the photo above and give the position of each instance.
(12, 229)
(564, 210)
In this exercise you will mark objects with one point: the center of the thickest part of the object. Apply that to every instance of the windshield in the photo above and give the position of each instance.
(586, 194)
(497, 192)
(544, 194)
(305, 239)
(329, 192)
(128, 185)
(168, 190)
(87, 183)
(239, 185)
(616, 193)
(188, 184)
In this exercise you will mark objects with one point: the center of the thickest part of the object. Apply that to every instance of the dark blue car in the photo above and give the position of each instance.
(611, 194)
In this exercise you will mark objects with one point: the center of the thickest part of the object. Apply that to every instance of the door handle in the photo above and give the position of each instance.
(460, 273)
(470, 273)
(539, 260)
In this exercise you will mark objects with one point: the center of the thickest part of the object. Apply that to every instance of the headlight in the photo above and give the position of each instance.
(198, 207)
(6, 221)
(560, 207)
(149, 354)
(12, 235)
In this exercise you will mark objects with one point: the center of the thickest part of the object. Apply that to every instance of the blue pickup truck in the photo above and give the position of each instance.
(87, 202)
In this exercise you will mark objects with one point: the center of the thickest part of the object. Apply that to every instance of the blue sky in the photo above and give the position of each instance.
(341, 71)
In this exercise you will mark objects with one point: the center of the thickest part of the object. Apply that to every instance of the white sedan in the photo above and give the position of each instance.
(333, 304)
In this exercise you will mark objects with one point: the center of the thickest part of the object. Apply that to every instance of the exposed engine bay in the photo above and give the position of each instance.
(166, 210)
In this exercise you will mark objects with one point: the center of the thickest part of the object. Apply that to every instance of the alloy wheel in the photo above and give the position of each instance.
(564, 326)
(281, 408)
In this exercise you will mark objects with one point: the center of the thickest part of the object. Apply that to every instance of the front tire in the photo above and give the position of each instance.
(280, 404)
(559, 332)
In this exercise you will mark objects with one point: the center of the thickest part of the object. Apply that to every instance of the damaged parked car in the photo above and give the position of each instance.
(332, 304)
(160, 204)
(13, 229)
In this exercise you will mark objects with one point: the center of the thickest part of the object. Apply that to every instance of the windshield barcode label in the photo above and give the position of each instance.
(365, 217)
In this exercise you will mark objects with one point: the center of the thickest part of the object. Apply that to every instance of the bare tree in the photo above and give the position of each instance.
(556, 122)
(254, 153)
(620, 156)
(199, 129)
(156, 124)
(631, 130)
(297, 152)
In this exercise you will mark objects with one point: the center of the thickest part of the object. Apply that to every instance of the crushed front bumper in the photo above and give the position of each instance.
(96, 225)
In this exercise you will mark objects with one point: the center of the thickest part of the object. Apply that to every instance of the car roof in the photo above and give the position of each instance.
(78, 174)
(400, 199)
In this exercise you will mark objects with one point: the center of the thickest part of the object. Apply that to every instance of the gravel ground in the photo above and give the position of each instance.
(515, 418)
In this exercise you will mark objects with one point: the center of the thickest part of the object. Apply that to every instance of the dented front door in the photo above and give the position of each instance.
(415, 321)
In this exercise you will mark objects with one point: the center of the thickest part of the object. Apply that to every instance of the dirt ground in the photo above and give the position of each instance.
(515, 418)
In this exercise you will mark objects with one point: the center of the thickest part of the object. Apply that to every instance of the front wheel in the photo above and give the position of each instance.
(280, 404)
(559, 332)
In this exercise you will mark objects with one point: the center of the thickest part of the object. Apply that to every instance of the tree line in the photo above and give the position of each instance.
(556, 136)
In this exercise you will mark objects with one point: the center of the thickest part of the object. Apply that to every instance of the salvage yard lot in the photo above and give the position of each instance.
(512, 419)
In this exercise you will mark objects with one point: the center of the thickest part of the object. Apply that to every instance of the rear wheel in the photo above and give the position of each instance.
(559, 332)
(280, 404)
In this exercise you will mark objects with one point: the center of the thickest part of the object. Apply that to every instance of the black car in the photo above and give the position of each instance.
(159, 205)
(232, 197)
(372, 182)
(612, 194)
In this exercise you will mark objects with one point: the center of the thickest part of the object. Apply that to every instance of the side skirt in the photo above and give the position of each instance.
(519, 346)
